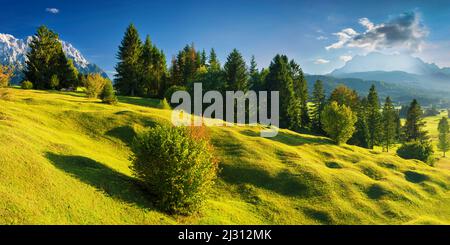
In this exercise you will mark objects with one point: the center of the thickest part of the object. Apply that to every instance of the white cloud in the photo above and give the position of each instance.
(345, 58)
(402, 33)
(321, 61)
(344, 37)
(321, 38)
(52, 10)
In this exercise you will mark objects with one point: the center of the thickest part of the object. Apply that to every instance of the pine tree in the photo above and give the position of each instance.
(44, 59)
(254, 82)
(67, 73)
(213, 62)
(128, 69)
(361, 135)
(414, 125)
(279, 79)
(301, 91)
(388, 124)
(444, 140)
(318, 100)
(373, 117)
(235, 72)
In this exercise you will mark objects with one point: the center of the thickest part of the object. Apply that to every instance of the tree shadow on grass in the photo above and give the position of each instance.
(291, 139)
(285, 183)
(115, 184)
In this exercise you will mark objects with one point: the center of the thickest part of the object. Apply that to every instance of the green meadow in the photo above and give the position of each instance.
(64, 159)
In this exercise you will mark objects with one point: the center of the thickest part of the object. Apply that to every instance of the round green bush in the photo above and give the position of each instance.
(108, 95)
(422, 151)
(171, 90)
(26, 85)
(178, 168)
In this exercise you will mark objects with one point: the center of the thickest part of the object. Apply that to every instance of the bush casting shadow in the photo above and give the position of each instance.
(103, 178)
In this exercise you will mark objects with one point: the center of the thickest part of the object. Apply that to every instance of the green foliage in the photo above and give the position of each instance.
(338, 122)
(280, 79)
(420, 150)
(171, 90)
(129, 68)
(26, 85)
(179, 169)
(46, 59)
(184, 66)
(318, 100)
(54, 82)
(163, 104)
(94, 85)
(343, 95)
(414, 125)
(213, 61)
(5, 75)
(154, 71)
(235, 70)
(301, 92)
(108, 95)
(444, 140)
(373, 117)
(388, 124)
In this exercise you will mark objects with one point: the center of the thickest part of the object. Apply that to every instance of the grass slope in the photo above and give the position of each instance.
(64, 159)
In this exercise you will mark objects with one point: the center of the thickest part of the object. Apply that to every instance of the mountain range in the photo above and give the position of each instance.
(13, 53)
(402, 69)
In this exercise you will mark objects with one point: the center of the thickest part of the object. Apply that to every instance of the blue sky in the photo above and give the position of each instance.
(300, 29)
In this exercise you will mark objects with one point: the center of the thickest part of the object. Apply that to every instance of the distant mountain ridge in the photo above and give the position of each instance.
(13, 53)
(399, 69)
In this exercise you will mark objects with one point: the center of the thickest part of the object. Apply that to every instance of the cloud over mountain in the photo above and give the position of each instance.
(405, 32)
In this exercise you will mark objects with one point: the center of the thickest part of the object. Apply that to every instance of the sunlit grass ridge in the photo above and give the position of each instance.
(64, 159)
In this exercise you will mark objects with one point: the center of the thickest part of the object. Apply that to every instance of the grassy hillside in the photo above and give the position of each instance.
(64, 159)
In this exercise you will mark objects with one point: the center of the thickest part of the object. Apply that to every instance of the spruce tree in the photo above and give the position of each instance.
(318, 100)
(361, 135)
(254, 82)
(414, 125)
(67, 73)
(279, 79)
(373, 117)
(235, 72)
(444, 140)
(213, 62)
(389, 124)
(301, 91)
(44, 59)
(128, 68)
(108, 95)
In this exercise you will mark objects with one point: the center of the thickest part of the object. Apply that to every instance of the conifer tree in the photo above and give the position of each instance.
(44, 60)
(389, 124)
(235, 71)
(414, 125)
(213, 62)
(279, 79)
(444, 140)
(128, 69)
(108, 95)
(301, 91)
(318, 100)
(254, 82)
(373, 117)
(67, 73)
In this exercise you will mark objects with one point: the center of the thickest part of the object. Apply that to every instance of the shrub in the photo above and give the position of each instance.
(175, 166)
(108, 95)
(163, 104)
(94, 84)
(5, 75)
(54, 82)
(422, 151)
(26, 85)
(171, 90)
(338, 122)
